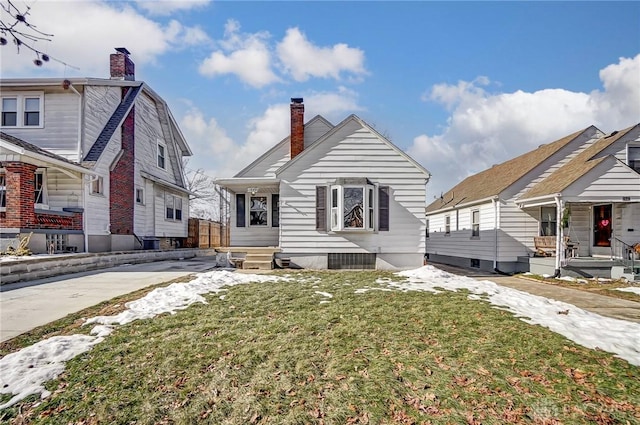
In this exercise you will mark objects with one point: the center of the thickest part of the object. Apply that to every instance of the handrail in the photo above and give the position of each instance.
(625, 252)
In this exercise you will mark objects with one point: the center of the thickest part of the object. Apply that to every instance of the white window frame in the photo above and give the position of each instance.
(173, 207)
(552, 220)
(369, 211)
(161, 147)
(633, 157)
(139, 194)
(475, 223)
(97, 186)
(21, 101)
(3, 190)
(43, 190)
(252, 209)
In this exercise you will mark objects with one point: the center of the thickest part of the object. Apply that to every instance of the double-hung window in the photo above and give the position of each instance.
(173, 207)
(162, 152)
(548, 221)
(447, 224)
(475, 223)
(3, 191)
(633, 156)
(40, 189)
(22, 110)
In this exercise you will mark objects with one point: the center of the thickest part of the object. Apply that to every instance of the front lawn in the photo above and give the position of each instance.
(314, 350)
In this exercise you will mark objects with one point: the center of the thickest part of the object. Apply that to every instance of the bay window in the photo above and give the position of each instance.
(354, 205)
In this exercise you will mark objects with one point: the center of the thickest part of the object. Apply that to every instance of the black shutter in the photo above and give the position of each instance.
(383, 208)
(275, 210)
(321, 208)
(240, 203)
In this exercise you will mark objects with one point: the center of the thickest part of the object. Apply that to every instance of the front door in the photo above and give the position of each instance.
(602, 229)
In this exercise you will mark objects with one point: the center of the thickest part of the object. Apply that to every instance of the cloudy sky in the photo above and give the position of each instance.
(458, 85)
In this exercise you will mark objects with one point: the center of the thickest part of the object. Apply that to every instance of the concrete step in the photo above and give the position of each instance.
(259, 265)
(259, 256)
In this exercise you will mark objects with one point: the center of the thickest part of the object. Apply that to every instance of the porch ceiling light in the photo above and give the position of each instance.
(253, 190)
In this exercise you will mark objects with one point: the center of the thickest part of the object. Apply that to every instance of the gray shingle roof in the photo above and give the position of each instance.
(114, 122)
(33, 148)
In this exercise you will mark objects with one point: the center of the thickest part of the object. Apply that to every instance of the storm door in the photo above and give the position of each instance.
(602, 229)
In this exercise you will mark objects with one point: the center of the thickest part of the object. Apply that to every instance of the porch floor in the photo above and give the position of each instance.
(586, 267)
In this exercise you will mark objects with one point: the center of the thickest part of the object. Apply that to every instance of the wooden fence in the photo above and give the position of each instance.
(207, 234)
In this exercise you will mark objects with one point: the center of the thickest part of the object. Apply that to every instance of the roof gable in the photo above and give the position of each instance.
(579, 166)
(279, 154)
(331, 135)
(112, 124)
(495, 180)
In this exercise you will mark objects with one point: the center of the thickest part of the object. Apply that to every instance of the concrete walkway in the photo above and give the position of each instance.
(600, 304)
(27, 305)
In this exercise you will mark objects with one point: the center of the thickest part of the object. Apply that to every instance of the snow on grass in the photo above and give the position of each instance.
(583, 327)
(632, 289)
(23, 373)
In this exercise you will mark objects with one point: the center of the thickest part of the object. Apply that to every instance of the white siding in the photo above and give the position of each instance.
(61, 119)
(63, 191)
(253, 235)
(609, 181)
(99, 104)
(352, 152)
(165, 227)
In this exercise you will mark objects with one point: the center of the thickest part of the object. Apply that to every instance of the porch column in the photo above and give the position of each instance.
(559, 235)
(20, 194)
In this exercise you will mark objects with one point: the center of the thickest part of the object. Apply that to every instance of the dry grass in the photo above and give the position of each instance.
(274, 354)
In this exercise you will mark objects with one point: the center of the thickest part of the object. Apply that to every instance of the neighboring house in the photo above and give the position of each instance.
(331, 197)
(91, 164)
(582, 192)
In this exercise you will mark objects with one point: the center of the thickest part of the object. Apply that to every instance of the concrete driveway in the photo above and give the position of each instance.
(27, 305)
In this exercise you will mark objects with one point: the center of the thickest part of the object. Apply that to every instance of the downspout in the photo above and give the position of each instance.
(496, 228)
(559, 235)
(67, 84)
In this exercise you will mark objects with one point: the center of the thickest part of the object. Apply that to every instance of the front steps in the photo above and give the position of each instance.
(251, 258)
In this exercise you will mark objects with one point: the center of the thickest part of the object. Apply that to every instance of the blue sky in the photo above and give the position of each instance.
(458, 85)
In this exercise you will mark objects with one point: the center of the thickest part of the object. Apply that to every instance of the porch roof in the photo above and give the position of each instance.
(243, 184)
(573, 170)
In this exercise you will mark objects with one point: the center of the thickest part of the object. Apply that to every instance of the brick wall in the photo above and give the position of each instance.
(297, 129)
(20, 195)
(122, 180)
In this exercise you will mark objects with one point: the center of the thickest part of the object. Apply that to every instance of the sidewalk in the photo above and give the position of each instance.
(595, 303)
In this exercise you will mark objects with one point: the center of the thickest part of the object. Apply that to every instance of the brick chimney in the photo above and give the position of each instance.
(121, 66)
(297, 126)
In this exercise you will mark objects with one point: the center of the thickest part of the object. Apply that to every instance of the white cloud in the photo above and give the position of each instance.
(303, 60)
(85, 32)
(245, 55)
(488, 128)
(167, 7)
(220, 156)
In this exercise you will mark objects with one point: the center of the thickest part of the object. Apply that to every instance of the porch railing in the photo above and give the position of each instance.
(624, 252)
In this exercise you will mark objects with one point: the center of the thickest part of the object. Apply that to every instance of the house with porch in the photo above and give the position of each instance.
(89, 164)
(328, 196)
(570, 207)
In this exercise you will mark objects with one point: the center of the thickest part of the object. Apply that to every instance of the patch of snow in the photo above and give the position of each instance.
(568, 278)
(588, 329)
(632, 289)
(324, 294)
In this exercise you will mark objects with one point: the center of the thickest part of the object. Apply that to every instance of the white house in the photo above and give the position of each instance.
(582, 192)
(91, 164)
(331, 197)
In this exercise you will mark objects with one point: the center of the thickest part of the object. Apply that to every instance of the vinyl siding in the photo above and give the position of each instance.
(352, 152)
(163, 226)
(63, 191)
(253, 235)
(100, 103)
(60, 132)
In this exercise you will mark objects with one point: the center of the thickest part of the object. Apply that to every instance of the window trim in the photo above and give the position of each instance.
(633, 161)
(554, 220)
(3, 190)
(139, 199)
(99, 182)
(475, 225)
(369, 211)
(161, 146)
(172, 207)
(266, 209)
(43, 190)
(21, 111)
